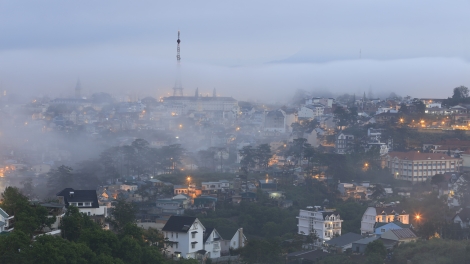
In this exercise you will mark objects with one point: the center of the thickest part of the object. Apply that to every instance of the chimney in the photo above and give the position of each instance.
(241, 242)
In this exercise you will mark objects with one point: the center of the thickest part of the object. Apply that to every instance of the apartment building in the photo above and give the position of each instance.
(325, 223)
(415, 166)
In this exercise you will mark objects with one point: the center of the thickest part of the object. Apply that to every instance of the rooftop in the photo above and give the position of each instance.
(404, 233)
(414, 155)
(343, 240)
(366, 240)
(71, 195)
(179, 223)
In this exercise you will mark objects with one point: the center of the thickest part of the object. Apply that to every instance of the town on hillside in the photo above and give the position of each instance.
(209, 179)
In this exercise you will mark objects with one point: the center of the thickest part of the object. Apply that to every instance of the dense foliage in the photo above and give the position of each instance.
(82, 240)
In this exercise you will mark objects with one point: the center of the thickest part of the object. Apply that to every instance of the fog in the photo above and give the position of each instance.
(246, 50)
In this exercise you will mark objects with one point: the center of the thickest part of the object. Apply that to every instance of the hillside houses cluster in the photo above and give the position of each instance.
(387, 222)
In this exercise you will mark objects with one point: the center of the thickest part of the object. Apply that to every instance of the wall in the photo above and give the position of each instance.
(102, 210)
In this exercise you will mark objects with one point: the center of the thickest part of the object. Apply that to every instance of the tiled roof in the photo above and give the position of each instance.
(404, 233)
(178, 223)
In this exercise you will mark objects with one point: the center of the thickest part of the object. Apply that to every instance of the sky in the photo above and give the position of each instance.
(251, 50)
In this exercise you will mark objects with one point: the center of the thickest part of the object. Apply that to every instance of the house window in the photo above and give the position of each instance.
(80, 204)
(193, 245)
(177, 245)
(193, 235)
(172, 234)
(176, 235)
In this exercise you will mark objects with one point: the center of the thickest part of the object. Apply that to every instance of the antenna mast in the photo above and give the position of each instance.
(178, 89)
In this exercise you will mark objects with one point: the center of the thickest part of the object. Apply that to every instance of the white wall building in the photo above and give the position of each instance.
(85, 200)
(184, 236)
(215, 186)
(382, 214)
(233, 240)
(326, 224)
(212, 240)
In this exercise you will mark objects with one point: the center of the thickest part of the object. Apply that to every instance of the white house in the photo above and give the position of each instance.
(232, 239)
(306, 112)
(382, 214)
(212, 240)
(5, 221)
(184, 237)
(85, 200)
(462, 218)
(311, 111)
(215, 186)
(326, 224)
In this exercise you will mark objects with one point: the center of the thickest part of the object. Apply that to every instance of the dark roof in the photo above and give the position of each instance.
(207, 233)
(178, 223)
(464, 214)
(404, 233)
(325, 214)
(366, 241)
(226, 233)
(312, 255)
(345, 239)
(79, 196)
(392, 210)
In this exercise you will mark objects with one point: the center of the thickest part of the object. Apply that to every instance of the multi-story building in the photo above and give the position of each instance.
(311, 111)
(417, 167)
(183, 104)
(343, 143)
(275, 122)
(326, 224)
(184, 236)
(382, 214)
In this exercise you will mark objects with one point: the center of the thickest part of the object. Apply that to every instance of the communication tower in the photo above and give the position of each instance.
(178, 89)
